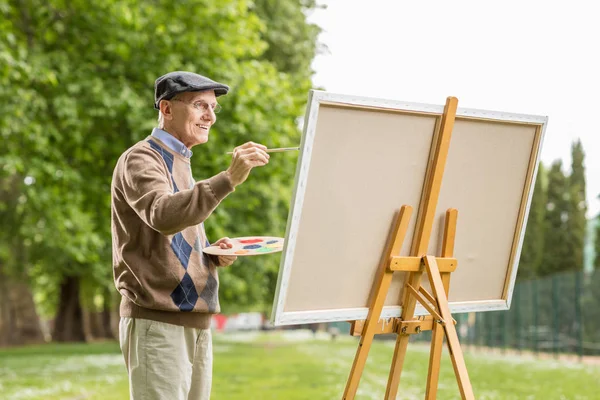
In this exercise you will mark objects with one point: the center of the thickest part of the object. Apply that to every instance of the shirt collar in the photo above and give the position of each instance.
(172, 142)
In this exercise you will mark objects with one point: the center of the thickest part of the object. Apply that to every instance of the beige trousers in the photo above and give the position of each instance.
(165, 361)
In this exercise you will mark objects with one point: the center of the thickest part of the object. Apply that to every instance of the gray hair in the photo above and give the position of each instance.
(161, 118)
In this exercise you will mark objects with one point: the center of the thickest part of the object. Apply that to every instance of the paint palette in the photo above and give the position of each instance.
(249, 246)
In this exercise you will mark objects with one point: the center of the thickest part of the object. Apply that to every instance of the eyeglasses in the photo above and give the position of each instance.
(202, 106)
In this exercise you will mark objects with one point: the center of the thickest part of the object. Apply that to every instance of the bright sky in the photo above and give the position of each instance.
(530, 57)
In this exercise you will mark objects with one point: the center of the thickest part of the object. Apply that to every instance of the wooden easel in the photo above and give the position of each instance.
(438, 271)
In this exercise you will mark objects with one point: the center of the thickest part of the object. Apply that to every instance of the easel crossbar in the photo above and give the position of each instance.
(396, 325)
(415, 264)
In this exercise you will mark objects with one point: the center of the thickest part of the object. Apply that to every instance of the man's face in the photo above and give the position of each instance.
(191, 116)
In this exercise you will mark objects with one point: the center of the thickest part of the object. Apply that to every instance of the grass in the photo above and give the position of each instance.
(290, 366)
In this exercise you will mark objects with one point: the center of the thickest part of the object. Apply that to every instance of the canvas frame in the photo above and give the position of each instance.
(320, 98)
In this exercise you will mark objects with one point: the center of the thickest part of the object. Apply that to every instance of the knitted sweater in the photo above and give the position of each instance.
(158, 236)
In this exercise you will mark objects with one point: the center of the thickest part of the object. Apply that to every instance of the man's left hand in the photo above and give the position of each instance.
(225, 243)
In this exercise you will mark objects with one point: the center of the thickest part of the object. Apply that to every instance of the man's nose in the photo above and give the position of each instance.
(209, 115)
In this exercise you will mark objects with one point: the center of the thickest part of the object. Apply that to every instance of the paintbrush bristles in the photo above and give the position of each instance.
(279, 150)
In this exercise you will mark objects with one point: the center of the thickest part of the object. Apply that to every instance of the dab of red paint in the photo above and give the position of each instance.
(251, 241)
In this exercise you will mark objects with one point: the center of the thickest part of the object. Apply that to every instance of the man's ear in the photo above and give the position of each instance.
(165, 109)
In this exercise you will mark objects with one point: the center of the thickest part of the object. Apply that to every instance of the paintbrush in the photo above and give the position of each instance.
(279, 150)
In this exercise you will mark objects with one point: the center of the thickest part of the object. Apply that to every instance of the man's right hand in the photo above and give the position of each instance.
(246, 157)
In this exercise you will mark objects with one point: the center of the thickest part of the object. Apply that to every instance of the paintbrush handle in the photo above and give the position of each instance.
(279, 150)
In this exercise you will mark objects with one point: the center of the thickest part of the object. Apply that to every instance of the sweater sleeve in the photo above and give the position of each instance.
(147, 188)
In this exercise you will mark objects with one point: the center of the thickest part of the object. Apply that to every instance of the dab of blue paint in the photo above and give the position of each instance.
(252, 246)
(272, 241)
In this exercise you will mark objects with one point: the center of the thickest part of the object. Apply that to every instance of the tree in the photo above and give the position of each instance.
(533, 244)
(577, 221)
(291, 41)
(597, 244)
(77, 83)
(557, 256)
(19, 322)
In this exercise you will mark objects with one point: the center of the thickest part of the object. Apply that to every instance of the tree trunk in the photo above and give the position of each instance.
(106, 315)
(93, 325)
(27, 321)
(19, 322)
(69, 323)
(6, 320)
(88, 324)
(115, 313)
(98, 323)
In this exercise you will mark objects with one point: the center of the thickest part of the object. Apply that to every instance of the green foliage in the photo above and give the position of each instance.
(286, 35)
(577, 207)
(577, 177)
(76, 80)
(533, 243)
(597, 247)
(556, 228)
(557, 255)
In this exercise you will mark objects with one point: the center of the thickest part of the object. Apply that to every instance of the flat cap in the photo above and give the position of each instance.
(176, 82)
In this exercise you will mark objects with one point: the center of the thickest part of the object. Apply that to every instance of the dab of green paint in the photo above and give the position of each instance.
(264, 250)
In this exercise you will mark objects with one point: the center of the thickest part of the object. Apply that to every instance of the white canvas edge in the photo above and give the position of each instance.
(278, 316)
(427, 108)
(513, 277)
(357, 314)
(310, 124)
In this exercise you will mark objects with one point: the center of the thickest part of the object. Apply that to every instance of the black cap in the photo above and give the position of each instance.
(176, 82)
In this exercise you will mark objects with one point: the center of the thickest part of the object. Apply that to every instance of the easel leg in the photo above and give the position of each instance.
(437, 338)
(458, 361)
(381, 290)
(422, 235)
(435, 354)
(414, 279)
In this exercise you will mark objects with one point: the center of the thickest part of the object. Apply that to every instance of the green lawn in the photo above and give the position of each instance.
(289, 366)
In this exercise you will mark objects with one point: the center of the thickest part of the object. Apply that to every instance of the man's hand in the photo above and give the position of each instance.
(225, 243)
(246, 157)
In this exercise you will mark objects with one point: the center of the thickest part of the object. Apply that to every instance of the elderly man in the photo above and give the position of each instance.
(169, 288)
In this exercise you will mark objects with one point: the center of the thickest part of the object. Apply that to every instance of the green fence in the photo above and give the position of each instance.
(555, 314)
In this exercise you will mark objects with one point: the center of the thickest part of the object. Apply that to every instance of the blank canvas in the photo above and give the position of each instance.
(361, 160)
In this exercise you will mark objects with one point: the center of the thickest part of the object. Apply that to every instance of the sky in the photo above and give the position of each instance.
(527, 57)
